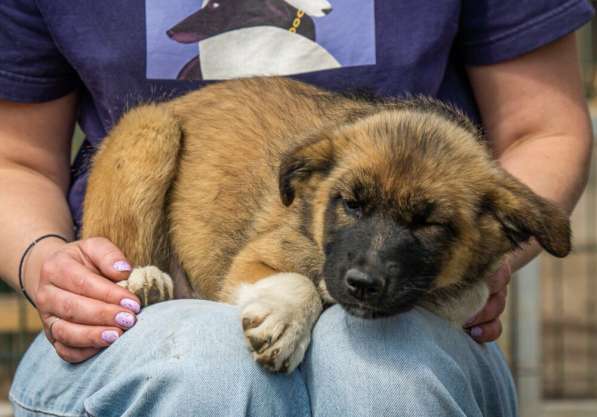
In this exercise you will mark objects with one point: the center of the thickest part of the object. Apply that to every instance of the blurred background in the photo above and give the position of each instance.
(550, 326)
(550, 335)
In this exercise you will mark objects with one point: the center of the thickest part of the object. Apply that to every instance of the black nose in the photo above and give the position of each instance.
(363, 286)
(327, 10)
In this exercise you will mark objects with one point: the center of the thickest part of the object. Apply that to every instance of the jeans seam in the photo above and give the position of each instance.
(40, 411)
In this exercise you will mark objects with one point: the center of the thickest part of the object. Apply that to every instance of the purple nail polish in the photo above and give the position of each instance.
(476, 332)
(130, 304)
(125, 319)
(109, 335)
(122, 266)
(470, 321)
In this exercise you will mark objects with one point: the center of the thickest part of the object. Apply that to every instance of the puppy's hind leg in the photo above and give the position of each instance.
(129, 182)
(150, 284)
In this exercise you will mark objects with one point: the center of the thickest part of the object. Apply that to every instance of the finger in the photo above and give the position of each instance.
(500, 279)
(80, 336)
(495, 306)
(106, 256)
(74, 355)
(487, 332)
(82, 310)
(74, 277)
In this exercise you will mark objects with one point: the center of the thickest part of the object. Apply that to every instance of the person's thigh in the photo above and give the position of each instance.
(182, 358)
(414, 364)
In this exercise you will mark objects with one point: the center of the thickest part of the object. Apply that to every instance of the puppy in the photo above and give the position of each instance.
(272, 195)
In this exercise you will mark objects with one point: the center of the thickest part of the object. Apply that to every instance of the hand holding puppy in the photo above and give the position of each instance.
(486, 325)
(74, 288)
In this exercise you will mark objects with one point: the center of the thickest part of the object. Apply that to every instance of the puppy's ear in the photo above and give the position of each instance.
(523, 214)
(314, 156)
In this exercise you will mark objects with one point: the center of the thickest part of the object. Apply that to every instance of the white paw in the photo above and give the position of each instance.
(277, 315)
(150, 284)
(460, 309)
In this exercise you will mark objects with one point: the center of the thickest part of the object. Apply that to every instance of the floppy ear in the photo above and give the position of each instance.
(315, 155)
(523, 214)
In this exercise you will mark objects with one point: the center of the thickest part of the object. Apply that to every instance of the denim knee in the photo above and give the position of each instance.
(414, 364)
(185, 357)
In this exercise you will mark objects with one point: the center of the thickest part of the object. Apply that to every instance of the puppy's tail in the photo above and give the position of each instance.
(128, 187)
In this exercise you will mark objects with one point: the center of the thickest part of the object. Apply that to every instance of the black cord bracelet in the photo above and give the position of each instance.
(22, 262)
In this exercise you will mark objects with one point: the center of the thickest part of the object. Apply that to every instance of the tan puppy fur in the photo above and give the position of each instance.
(270, 193)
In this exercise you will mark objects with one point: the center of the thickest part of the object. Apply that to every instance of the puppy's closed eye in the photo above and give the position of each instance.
(353, 207)
(427, 214)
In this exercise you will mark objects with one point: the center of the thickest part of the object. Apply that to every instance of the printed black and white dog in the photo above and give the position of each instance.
(241, 38)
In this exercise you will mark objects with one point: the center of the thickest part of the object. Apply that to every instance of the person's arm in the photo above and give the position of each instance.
(536, 120)
(66, 281)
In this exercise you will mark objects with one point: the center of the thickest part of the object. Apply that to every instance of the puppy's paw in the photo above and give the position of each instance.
(150, 284)
(277, 315)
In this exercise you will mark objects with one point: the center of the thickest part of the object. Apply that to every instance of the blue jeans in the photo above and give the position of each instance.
(188, 358)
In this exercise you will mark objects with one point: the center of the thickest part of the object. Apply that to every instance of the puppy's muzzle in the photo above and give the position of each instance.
(363, 286)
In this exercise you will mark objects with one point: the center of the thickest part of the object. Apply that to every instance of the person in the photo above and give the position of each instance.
(510, 66)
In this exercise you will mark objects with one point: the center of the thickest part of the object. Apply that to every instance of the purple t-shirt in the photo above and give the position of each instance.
(121, 53)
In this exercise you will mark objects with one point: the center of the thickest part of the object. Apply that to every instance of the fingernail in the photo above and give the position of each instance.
(470, 321)
(130, 304)
(122, 266)
(476, 332)
(109, 335)
(125, 319)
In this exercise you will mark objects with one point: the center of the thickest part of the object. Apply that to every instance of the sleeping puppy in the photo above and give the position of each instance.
(274, 195)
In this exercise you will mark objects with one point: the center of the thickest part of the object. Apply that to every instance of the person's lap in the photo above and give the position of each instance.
(188, 358)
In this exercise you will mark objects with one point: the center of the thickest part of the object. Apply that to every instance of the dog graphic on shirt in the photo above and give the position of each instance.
(242, 38)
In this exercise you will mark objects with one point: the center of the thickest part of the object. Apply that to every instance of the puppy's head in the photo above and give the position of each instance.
(407, 201)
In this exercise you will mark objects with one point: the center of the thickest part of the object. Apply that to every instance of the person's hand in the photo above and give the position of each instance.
(74, 287)
(486, 326)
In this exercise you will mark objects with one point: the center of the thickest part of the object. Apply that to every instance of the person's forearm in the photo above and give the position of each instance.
(32, 205)
(555, 167)
(536, 121)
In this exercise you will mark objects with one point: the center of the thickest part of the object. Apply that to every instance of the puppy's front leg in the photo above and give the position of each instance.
(277, 314)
